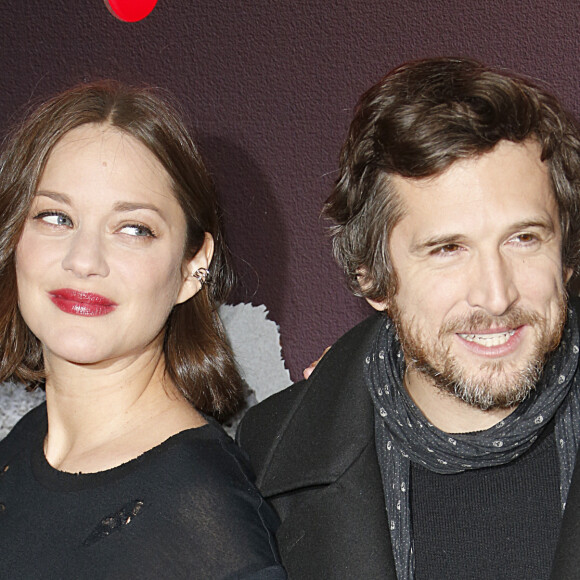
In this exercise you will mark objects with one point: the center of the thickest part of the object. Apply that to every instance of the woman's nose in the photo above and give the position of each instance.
(85, 255)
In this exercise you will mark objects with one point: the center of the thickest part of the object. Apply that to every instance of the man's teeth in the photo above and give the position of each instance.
(489, 339)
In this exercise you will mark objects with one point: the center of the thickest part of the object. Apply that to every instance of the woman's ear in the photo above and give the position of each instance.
(378, 305)
(193, 270)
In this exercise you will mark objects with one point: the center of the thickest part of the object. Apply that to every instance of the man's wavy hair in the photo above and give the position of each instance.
(417, 121)
(198, 358)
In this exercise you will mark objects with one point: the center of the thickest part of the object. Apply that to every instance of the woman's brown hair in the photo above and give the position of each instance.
(198, 358)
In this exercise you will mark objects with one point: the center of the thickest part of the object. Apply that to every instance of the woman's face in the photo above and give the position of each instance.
(100, 263)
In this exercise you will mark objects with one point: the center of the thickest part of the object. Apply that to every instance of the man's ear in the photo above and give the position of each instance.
(191, 285)
(364, 283)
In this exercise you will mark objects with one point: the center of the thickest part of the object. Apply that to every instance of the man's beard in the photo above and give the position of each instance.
(493, 385)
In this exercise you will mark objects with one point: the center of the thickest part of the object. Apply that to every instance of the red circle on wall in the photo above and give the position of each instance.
(130, 10)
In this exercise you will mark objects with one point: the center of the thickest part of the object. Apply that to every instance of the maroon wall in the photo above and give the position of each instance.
(270, 86)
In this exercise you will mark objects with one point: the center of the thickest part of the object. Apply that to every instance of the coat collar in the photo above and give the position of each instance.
(333, 418)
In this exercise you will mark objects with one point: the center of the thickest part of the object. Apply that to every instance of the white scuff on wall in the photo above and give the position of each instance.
(16, 401)
(255, 341)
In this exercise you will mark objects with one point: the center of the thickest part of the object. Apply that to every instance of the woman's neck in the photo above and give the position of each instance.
(101, 417)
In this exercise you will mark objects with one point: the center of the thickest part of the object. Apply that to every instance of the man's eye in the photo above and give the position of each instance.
(137, 230)
(55, 219)
(525, 238)
(445, 250)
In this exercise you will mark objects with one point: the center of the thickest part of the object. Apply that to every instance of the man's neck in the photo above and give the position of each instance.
(447, 412)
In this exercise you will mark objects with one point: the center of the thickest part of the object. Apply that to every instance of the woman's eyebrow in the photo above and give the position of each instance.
(121, 206)
(60, 197)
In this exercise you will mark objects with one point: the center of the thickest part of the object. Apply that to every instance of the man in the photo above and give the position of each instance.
(438, 438)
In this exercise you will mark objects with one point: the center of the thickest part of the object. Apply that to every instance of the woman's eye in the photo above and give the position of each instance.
(137, 230)
(55, 219)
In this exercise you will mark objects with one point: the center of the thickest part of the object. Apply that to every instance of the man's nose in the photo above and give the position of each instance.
(492, 284)
(85, 254)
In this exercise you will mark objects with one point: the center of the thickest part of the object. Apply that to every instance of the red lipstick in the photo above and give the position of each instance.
(81, 303)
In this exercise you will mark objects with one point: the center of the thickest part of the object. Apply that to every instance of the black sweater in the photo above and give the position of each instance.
(489, 523)
(185, 509)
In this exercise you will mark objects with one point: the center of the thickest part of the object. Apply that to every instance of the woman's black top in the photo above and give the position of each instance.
(187, 508)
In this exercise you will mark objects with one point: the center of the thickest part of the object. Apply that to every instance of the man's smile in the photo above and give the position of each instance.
(494, 343)
(489, 339)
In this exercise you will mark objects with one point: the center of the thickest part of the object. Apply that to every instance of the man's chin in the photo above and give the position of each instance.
(489, 399)
(496, 382)
(494, 388)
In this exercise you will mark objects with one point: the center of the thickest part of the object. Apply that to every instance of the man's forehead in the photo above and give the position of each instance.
(531, 147)
(527, 155)
(502, 183)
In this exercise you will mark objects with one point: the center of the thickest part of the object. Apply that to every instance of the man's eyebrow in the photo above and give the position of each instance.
(432, 242)
(541, 223)
(546, 224)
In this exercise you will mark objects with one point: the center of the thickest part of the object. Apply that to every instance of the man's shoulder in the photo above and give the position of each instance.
(327, 387)
(262, 424)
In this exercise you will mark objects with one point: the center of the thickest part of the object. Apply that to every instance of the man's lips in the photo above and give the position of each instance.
(492, 342)
(494, 337)
(81, 303)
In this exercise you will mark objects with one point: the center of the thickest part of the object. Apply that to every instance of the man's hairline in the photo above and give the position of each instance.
(386, 180)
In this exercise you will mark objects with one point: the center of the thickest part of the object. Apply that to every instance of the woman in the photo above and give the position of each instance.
(111, 263)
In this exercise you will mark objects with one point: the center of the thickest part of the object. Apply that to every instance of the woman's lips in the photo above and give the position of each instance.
(81, 303)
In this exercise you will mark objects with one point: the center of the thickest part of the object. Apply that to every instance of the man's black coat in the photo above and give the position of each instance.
(312, 447)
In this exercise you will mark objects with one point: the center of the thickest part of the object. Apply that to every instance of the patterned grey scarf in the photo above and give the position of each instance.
(403, 434)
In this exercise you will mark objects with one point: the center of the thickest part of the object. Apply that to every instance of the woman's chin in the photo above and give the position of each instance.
(78, 353)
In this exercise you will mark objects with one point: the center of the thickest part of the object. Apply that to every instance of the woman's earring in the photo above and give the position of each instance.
(202, 275)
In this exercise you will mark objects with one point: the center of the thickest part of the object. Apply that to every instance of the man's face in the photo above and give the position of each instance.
(481, 297)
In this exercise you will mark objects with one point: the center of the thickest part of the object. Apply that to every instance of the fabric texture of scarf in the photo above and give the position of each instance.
(403, 434)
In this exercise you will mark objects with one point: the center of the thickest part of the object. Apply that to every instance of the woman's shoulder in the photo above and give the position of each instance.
(205, 457)
(202, 484)
(28, 429)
